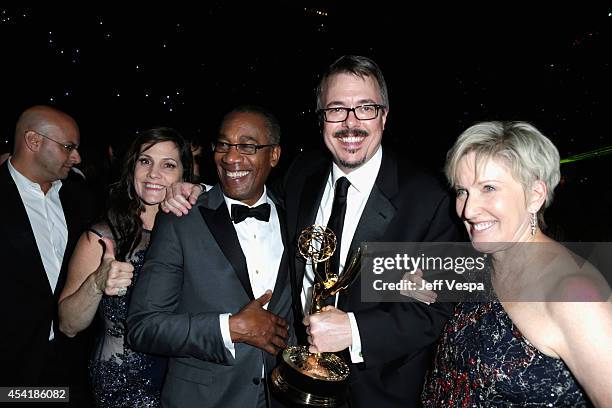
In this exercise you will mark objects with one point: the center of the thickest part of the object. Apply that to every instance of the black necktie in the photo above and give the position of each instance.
(336, 219)
(242, 212)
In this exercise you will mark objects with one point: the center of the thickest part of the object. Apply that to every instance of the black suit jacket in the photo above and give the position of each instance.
(397, 339)
(195, 270)
(28, 305)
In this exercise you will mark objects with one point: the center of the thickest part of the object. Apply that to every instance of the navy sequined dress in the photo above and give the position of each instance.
(483, 360)
(120, 376)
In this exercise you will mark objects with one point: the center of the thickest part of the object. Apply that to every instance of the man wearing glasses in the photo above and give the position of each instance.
(214, 291)
(390, 345)
(42, 217)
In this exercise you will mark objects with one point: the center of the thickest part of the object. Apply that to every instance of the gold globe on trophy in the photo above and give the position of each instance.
(317, 379)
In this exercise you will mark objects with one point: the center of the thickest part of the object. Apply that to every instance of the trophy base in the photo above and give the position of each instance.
(308, 379)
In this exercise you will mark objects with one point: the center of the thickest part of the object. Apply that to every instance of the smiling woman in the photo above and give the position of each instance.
(543, 339)
(157, 167)
(106, 266)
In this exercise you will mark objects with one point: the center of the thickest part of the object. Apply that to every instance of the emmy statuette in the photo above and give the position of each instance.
(317, 379)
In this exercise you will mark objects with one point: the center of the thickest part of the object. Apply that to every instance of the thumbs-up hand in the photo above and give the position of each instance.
(112, 276)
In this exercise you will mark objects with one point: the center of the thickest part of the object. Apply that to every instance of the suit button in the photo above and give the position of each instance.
(256, 381)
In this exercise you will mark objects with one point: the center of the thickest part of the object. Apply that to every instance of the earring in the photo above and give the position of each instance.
(533, 224)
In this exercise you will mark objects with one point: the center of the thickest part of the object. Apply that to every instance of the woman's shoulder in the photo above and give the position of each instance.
(576, 294)
(102, 229)
(574, 279)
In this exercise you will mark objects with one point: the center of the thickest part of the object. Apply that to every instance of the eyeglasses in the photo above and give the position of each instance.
(243, 148)
(68, 146)
(340, 114)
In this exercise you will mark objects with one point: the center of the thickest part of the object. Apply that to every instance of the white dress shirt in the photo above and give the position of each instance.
(48, 223)
(362, 181)
(262, 246)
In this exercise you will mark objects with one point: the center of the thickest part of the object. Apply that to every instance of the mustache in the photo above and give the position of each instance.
(351, 132)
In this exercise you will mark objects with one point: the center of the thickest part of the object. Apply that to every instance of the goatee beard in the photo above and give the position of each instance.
(351, 132)
(351, 165)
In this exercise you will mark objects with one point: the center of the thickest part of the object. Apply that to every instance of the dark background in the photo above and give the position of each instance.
(119, 70)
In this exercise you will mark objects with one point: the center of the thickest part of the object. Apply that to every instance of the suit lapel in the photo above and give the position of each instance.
(19, 229)
(220, 225)
(69, 212)
(281, 277)
(73, 226)
(374, 220)
(379, 210)
(310, 199)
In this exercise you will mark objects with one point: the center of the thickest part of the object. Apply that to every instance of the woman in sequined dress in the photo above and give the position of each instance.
(544, 337)
(106, 264)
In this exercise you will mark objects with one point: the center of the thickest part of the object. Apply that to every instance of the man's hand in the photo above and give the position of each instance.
(256, 326)
(180, 197)
(328, 331)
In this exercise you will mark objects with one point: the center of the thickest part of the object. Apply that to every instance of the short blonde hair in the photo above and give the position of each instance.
(528, 153)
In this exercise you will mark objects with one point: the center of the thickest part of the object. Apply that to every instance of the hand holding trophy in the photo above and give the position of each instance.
(317, 379)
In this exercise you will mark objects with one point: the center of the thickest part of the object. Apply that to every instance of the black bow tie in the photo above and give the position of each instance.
(242, 212)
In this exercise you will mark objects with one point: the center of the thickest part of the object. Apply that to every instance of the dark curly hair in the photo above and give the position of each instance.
(125, 207)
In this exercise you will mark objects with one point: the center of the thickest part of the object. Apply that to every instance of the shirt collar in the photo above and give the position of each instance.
(23, 182)
(229, 201)
(364, 177)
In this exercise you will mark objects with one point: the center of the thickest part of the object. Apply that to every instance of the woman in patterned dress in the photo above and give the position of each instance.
(544, 336)
(106, 264)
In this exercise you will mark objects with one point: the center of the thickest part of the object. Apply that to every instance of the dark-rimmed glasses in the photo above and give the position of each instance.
(68, 146)
(340, 114)
(243, 148)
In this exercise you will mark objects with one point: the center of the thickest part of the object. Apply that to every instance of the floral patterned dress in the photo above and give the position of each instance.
(483, 360)
(120, 376)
